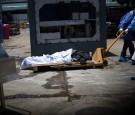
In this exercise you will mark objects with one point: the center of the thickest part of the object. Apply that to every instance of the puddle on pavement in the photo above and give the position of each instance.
(59, 81)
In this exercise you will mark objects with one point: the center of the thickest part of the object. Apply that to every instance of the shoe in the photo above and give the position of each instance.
(133, 62)
(122, 59)
(129, 58)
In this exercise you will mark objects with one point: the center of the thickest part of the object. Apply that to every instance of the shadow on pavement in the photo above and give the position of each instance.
(9, 110)
(97, 111)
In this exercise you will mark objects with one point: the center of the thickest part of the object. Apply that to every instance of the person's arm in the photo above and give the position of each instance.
(125, 20)
(132, 24)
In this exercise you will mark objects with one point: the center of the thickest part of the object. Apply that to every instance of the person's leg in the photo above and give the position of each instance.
(131, 48)
(123, 52)
(124, 49)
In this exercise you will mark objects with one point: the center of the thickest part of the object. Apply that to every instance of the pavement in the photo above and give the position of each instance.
(93, 91)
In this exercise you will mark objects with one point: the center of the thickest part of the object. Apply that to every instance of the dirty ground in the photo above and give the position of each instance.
(90, 91)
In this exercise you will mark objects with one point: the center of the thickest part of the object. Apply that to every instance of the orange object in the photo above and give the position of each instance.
(24, 25)
(100, 53)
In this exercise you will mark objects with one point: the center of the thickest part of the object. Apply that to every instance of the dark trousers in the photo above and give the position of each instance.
(127, 44)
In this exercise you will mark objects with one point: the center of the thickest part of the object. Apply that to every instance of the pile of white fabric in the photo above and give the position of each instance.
(63, 57)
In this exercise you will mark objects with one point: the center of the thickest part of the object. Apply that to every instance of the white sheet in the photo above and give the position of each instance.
(63, 57)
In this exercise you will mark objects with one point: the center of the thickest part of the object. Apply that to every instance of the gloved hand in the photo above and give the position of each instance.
(119, 32)
(126, 31)
(121, 29)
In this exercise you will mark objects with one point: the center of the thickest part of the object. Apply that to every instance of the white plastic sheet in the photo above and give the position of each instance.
(63, 57)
